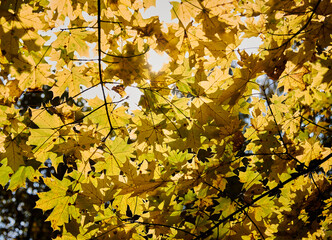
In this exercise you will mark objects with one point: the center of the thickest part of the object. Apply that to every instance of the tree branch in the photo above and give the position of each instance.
(312, 166)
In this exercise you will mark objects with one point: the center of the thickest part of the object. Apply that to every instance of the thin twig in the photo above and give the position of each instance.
(100, 69)
(326, 129)
(253, 222)
(279, 131)
(131, 56)
(294, 176)
(300, 30)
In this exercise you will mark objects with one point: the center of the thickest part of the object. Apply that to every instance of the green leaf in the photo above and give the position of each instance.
(5, 174)
(19, 178)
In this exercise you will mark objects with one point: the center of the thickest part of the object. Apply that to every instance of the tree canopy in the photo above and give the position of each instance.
(221, 145)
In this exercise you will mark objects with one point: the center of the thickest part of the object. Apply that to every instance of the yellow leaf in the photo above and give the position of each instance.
(73, 41)
(16, 153)
(19, 178)
(185, 10)
(149, 3)
(71, 80)
(46, 120)
(62, 7)
(30, 74)
(61, 199)
(254, 27)
(205, 111)
(293, 77)
(96, 190)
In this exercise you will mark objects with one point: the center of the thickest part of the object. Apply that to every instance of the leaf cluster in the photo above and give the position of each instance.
(222, 144)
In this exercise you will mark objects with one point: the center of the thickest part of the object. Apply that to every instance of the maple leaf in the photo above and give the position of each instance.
(117, 153)
(293, 77)
(21, 23)
(71, 79)
(204, 110)
(150, 129)
(254, 27)
(72, 41)
(19, 178)
(129, 65)
(118, 115)
(46, 120)
(185, 10)
(31, 74)
(95, 191)
(16, 152)
(10, 91)
(63, 7)
(44, 140)
(60, 199)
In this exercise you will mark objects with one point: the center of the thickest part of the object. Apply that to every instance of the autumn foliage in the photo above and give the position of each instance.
(221, 145)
